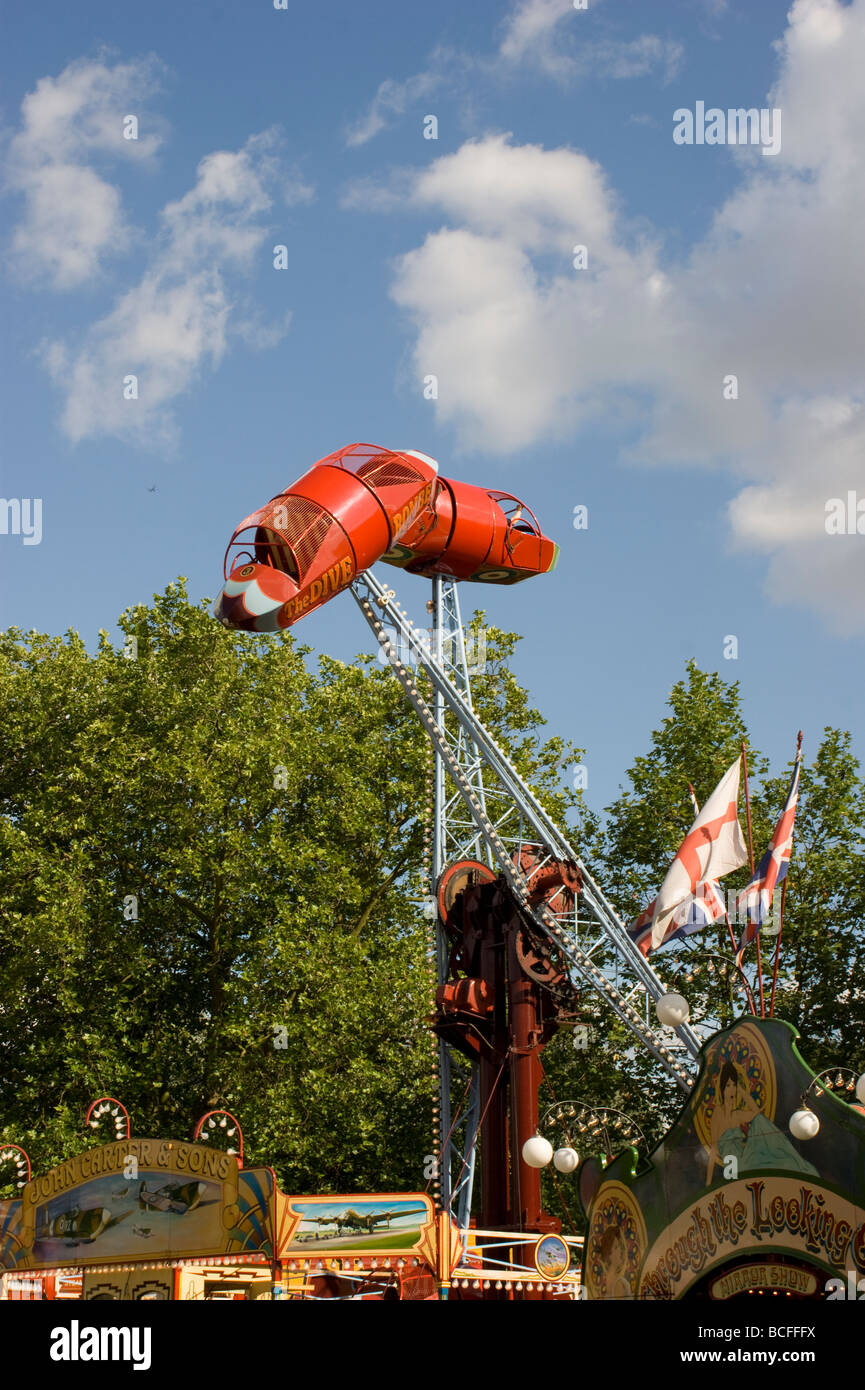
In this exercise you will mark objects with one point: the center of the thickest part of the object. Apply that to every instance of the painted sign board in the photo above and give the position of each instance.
(381, 1224)
(161, 1201)
(138, 1199)
(729, 1191)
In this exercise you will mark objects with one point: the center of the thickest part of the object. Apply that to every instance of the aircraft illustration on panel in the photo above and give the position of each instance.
(174, 1197)
(351, 1220)
(78, 1225)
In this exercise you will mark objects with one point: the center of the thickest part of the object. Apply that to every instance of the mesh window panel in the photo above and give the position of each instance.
(297, 513)
(309, 544)
(388, 474)
(303, 525)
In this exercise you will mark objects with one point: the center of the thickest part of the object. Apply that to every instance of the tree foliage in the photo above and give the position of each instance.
(821, 955)
(212, 854)
(202, 903)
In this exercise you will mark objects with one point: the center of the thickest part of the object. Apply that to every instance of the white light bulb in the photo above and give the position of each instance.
(537, 1151)
(804, 1124)
(672, 1010)
(566, 1159)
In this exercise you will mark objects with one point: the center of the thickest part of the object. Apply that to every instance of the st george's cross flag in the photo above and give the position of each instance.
(714, 846)
(756, 899)
(705, 906)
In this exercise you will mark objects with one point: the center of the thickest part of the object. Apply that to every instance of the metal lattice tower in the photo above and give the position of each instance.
(484, 810)
(455, 836)
(456, 833)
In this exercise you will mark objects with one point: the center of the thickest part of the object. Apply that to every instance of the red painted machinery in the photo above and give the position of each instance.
(363, 504)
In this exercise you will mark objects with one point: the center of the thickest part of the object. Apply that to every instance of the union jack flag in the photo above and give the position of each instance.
(756, 898)
(700, 909)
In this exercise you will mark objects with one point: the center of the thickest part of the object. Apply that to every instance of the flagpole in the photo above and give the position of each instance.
(781, 912)
(777, 949)
(751, 853)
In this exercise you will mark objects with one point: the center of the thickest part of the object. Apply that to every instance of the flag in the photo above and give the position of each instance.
(700, 909)
(756, 898)
(714, 846)
(703, 907)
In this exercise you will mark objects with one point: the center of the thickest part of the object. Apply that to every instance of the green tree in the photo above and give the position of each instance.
(210, 899)
(824, 922)
(629, 851)
(822, 951)
(203, 906)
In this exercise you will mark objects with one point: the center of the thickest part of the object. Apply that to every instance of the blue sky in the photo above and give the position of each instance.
(453, 256)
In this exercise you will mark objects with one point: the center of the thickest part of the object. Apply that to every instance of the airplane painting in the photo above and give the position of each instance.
(104, 1219)
(381, 1223)
(78, 1225)
(352, 1220)
(178, 1198)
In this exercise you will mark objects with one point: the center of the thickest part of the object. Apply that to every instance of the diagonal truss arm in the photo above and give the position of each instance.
(371, 595)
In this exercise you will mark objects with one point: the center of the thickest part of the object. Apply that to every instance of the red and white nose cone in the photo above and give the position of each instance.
(252, 598)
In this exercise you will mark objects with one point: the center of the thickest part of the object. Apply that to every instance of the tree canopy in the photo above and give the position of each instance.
(212, 855)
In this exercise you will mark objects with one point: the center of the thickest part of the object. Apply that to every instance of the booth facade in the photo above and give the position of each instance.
(730, 1204)
(161, 1219)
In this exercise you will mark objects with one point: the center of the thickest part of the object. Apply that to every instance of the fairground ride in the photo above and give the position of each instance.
(522, 927)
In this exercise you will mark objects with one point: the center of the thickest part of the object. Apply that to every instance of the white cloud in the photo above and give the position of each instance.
(624, 58)
(162, 331)
(257, 334)
(177, 320)
(219, 218)
(525, 347)
(534, 37)
(529, 33)
(73, 217)
(296, 190)
(523, 193)
(392, 99)
(82, 111)
(815, 454)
